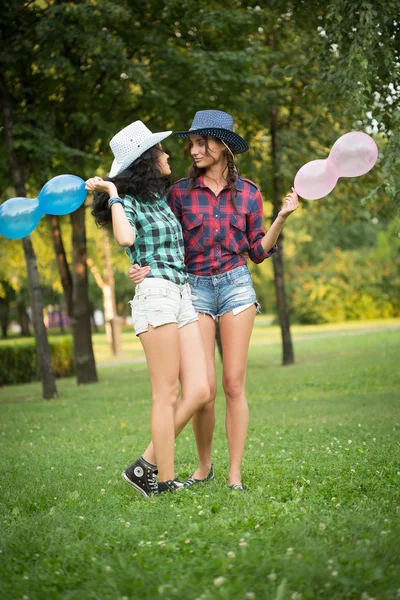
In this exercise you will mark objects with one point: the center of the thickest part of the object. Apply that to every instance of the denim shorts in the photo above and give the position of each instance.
(219, 294)
(158, 302)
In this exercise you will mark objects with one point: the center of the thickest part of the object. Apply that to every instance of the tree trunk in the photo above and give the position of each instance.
(113, 321)
(4, 316)
(42, 343)
(62, 263)
(94, 324)
(35, 293)
(278, 257)
(60, 316)
(23, 319)
(85, 365)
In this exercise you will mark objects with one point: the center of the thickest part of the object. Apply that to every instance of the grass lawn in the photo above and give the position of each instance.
(320, 518)
(263, 333)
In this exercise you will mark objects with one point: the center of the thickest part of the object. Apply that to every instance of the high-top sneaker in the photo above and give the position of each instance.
(141, 476)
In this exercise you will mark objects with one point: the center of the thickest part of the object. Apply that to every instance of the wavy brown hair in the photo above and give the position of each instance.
(232, 170)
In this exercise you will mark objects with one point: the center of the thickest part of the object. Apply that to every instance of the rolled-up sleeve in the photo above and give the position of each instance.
(256, 232)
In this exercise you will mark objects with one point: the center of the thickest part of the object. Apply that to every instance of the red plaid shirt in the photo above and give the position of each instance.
(216, 234)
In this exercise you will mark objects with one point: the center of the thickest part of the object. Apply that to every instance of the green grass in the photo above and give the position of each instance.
(320, 518)
(263, 333)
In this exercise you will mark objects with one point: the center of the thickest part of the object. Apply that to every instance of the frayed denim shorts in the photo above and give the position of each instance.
(159, 302)
(220, 294)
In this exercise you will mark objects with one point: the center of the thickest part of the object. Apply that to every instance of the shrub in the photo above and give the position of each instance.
(62, 357)
(347, 286)
(19, 363)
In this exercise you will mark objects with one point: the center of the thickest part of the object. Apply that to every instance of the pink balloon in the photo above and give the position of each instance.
(316, 179)
(352, 155)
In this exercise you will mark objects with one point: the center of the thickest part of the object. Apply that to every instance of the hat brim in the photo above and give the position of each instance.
(222, 134)
(153, 139)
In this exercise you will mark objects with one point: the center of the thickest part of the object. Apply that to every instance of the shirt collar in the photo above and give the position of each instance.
(199, 183)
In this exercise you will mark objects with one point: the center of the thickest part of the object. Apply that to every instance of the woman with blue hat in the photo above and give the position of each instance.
(133, 200)
(221, 215)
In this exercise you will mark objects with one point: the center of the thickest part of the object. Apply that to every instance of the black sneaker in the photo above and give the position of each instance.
(192, 481)
(173, 485)
(141, 477)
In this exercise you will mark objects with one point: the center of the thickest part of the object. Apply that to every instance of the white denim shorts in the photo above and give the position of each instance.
(158, 302)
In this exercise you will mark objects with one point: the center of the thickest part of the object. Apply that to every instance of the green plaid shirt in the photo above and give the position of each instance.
(159, 240)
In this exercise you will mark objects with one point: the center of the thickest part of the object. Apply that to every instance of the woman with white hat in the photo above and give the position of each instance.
(133, 199)
(221, 215)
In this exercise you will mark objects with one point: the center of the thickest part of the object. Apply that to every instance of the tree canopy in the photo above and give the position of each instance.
(80, 71)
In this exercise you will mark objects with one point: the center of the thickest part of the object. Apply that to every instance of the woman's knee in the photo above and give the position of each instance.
(206, 395)
(210, 400)
(167, 396)
(201, 395)
(234, 387)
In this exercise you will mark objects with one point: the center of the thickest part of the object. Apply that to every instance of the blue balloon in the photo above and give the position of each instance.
(59, 196)
(62, 195)
(19, 217)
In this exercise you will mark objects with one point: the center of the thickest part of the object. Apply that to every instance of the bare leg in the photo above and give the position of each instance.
(235, 338)
(204, 419)
(193, 377)
(161, 346)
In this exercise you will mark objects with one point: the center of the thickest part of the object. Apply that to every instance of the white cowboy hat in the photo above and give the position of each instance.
(130, 143)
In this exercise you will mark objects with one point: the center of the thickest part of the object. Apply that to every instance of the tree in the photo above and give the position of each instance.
(81, 71)
(85, 365)
(360, 65)
(62, 262)
(49, 388)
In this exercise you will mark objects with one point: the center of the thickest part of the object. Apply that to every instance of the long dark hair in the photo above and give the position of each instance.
(232, 171)
(141, 179)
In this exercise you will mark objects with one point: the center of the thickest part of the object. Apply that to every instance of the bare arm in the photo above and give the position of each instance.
(290, 204)
(122, 229)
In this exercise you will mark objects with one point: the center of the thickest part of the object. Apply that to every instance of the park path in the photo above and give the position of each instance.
(295, 338)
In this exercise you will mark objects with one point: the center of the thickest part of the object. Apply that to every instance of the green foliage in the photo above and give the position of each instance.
(62, 356)
(78, 72)
(19, 364)
(318, 521)
(347, 285)
(360, 66)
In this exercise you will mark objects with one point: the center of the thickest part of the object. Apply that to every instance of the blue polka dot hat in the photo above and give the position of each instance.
(217, 124)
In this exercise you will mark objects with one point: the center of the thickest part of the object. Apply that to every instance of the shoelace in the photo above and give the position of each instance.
(152, 481)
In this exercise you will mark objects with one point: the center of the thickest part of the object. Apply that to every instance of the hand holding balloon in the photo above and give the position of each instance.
(352, 155)
(290, 204)
(59, 196)
(97, 184)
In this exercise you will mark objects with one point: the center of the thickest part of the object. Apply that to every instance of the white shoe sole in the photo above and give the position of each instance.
(132, 484)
